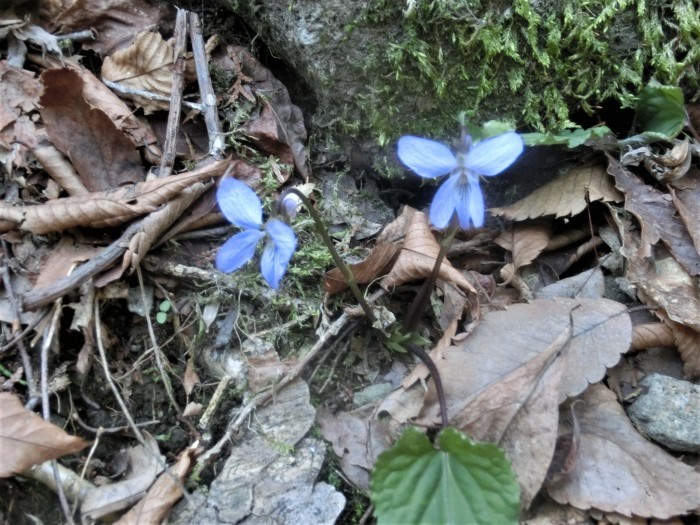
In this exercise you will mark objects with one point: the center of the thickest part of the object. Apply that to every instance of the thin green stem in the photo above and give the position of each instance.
(323, 232)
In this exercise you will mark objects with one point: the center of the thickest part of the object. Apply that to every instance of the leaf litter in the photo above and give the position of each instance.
(528, 320)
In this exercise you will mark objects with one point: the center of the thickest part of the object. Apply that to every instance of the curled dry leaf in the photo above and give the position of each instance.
(377, 262)
(525, 241)
(162, 495)
(145, 463)
(687, 342)
(617, 470)
(101, 154)
(687, 201)
(417, 258)
(566, 195)
(657, 218)
(650, 335)
(107, 208)
(146, 65)
(662, 282)
(27, 440)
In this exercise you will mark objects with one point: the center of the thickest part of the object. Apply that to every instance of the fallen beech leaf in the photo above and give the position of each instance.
(657, 218)
(525, 241)
(145, 65)
(565, 195)
(162, 495)
(417, 258)
(107, 208)
(376, 264)
(27, 440)
(101, 154)
(617, 470)
(145, 463)
(520, 413)
(114, 21)
(589, 284)
(505, 340)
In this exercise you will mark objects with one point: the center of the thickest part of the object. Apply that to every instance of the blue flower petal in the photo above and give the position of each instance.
(426, 157)
(451, 196)
(238, 250)
(476, 203)
(239, 204)
(278, 251)
(491, 156)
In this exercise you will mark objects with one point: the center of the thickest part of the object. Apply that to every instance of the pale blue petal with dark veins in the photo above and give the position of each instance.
(238, 250)
(278, 250)
(426, 157)
(491, 156)
(476, 203)
(239, 204)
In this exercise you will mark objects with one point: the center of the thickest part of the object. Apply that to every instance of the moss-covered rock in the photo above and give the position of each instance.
(381, 68)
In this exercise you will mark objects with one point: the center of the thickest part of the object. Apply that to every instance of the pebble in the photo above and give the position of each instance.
(669, 412)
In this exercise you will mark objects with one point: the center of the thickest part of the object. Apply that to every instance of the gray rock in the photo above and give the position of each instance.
(669, 412)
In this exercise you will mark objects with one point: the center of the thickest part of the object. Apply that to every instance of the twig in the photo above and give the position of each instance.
(59, 288)
(217, 143)
(108, 375)
(26, 361)
(178, 81)
(149, 95)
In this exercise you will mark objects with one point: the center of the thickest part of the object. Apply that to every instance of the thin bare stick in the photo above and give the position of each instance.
(178, 82)
(148, 95)
(26, 361)
(108, 375)
(217, 142)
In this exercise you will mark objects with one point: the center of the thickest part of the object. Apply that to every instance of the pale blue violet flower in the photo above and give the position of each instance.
(242, 207)
(460, 193)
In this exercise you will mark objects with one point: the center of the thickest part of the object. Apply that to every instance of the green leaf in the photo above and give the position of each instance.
(660, 111)
(462, 482)
(161, 317)
(571, 138)
(164, 306)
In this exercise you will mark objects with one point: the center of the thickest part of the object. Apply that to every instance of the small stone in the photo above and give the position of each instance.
(669, 412)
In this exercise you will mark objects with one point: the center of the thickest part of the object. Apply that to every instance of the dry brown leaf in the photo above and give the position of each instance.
(114, 21)
(687, 202)
(157, 223)
(520, 413)
(505, 340)
(145, 65)
(27, 440)
(19, 96)
(657, 218)
(377, 262)
(662, 281)
(279, 127)
(357, 440)
(101, 154)
(525, 242)
(107, 208)
(417, 258)
(60, 169)
(145, 463)
(687, 341)
(589, 284)
(162, 495)
(191, 378)
(649, 335)
(566, 195)
(617, 470)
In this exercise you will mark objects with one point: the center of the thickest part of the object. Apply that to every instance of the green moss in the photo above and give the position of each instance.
(532, 62)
